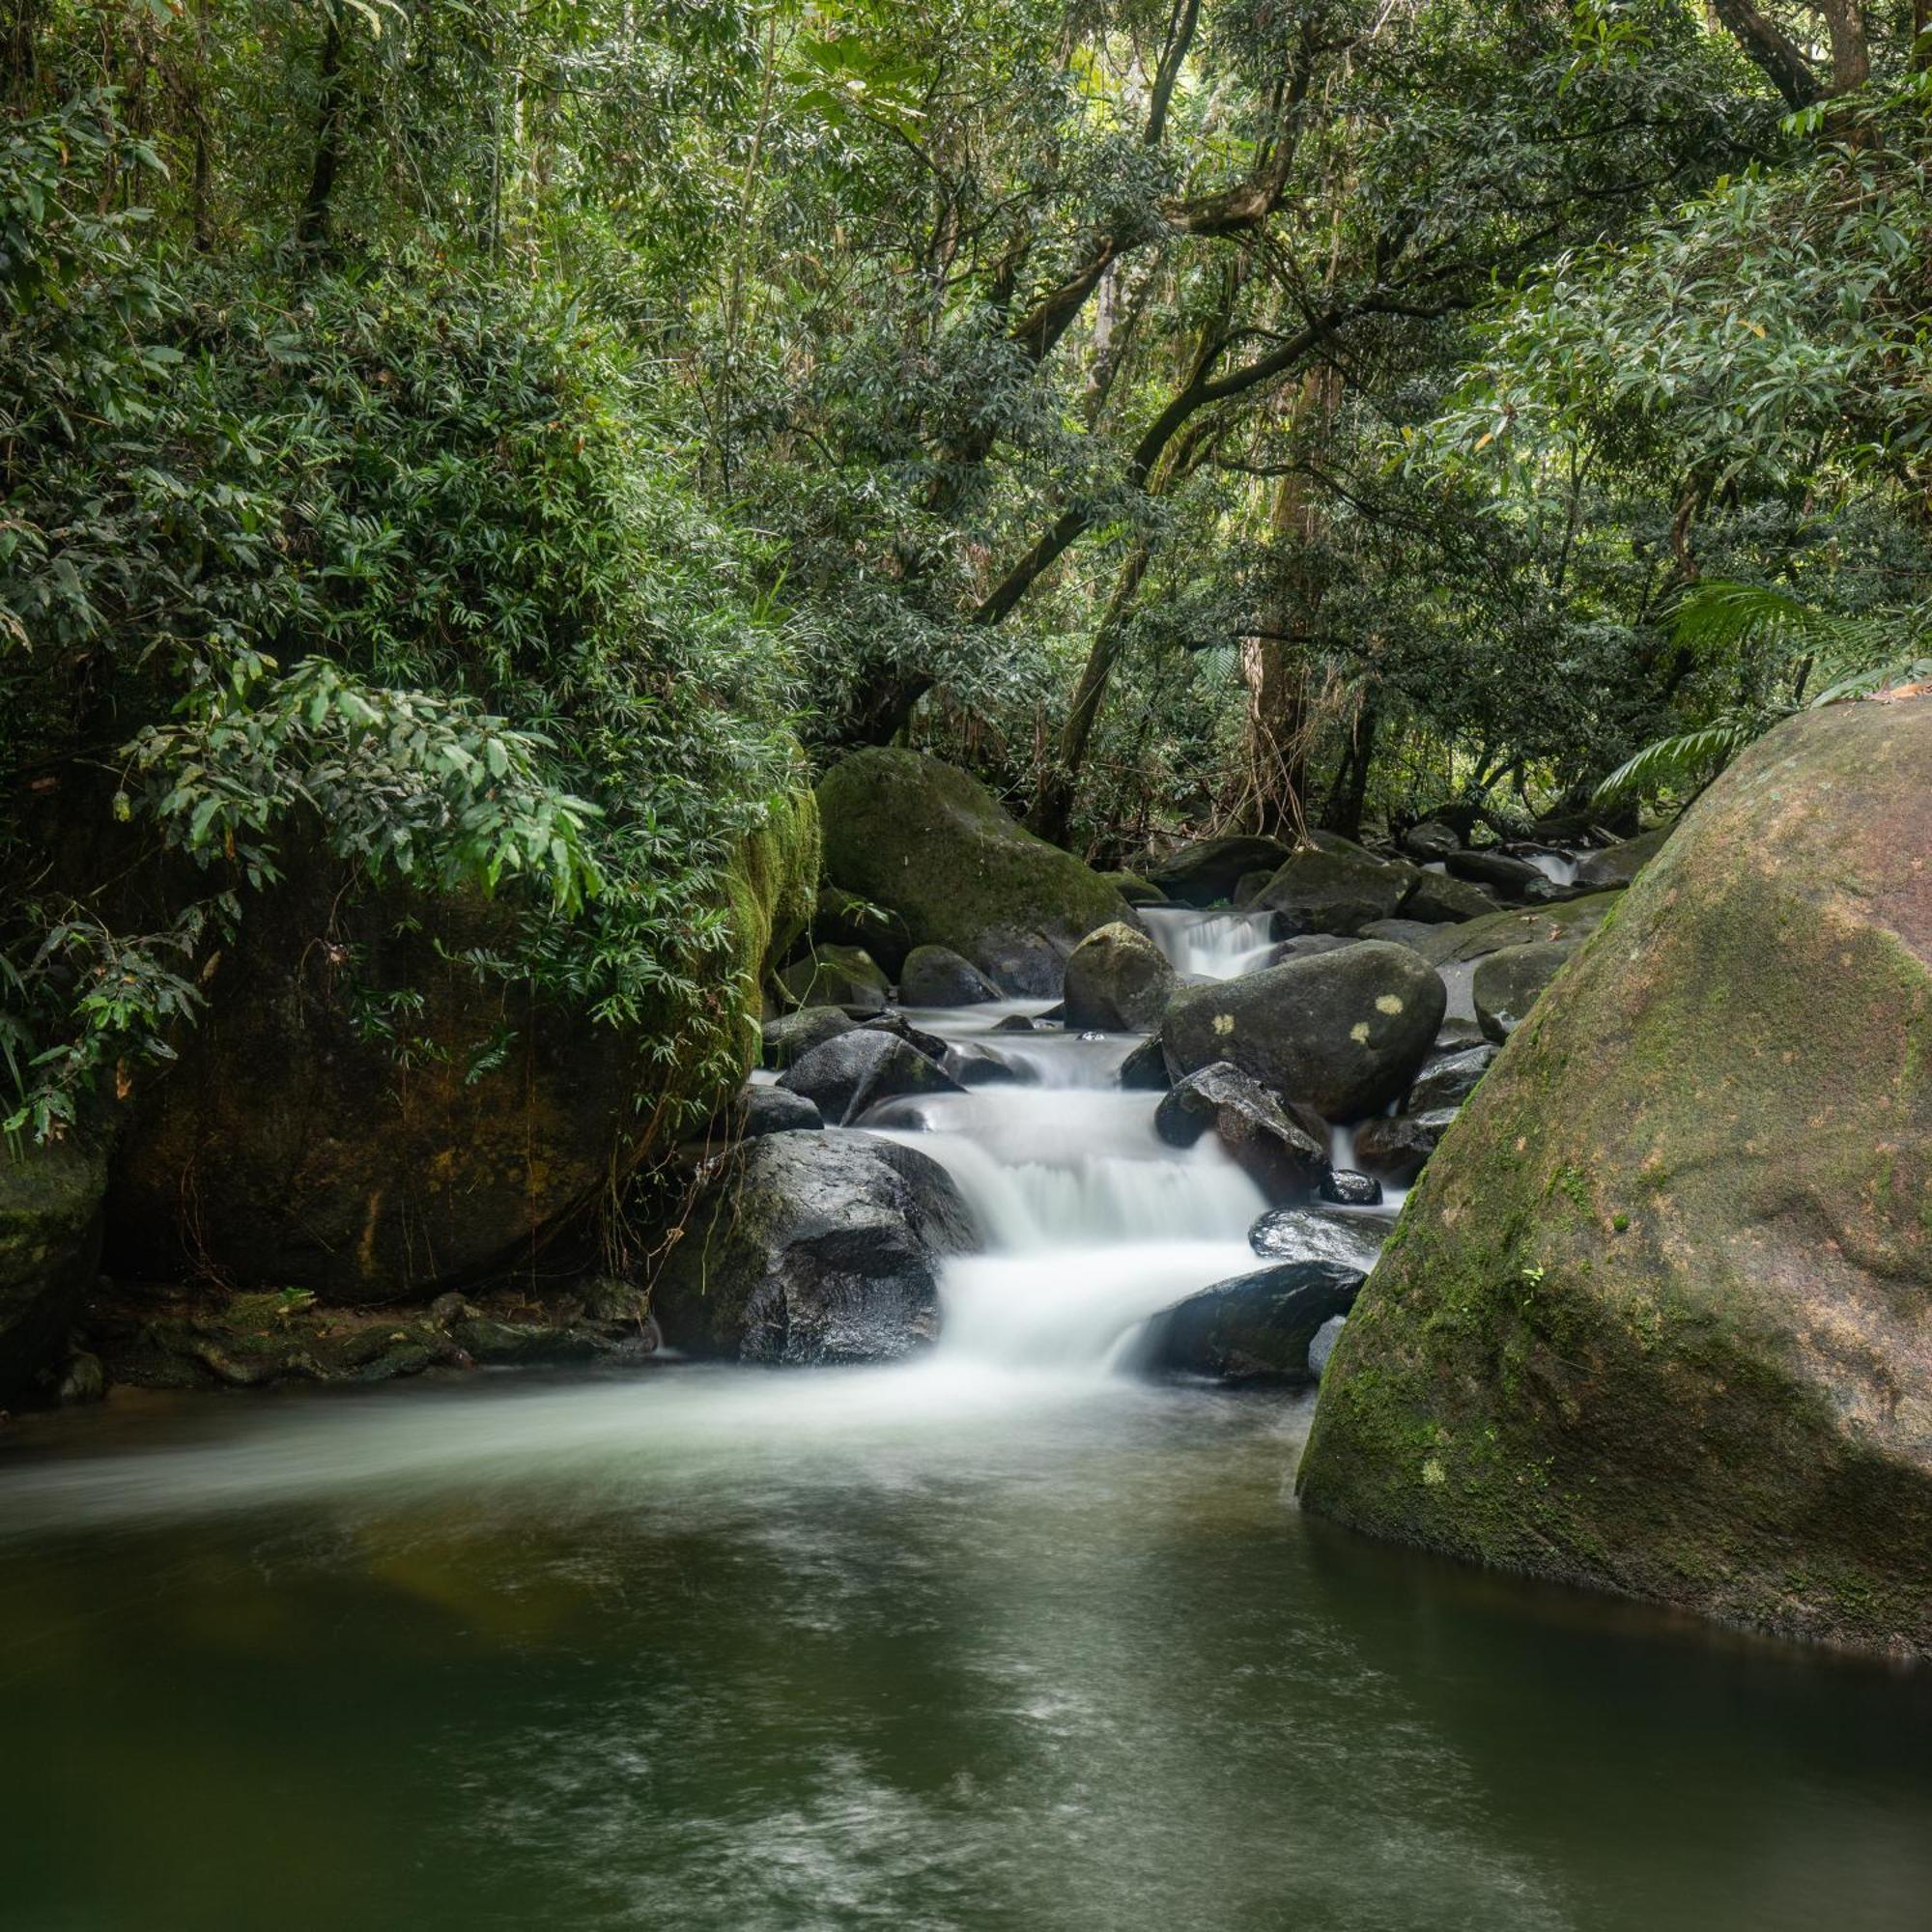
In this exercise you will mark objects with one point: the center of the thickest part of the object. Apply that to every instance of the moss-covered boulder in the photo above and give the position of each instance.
(1323, 891)
(1344, 1031)
(836, 976)
(1566, 925)
(361, 1115)
(51, 1200)
(1118, 979)
(932, 843)
(1660, 1316)
(1135, 889)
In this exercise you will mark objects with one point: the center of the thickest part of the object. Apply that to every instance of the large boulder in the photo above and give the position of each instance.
(1659, 1318)
(853, 1071)
(1431, 839)
(1322, 891)
(1619, 864)
(808, 1248)
(1508, 982)
(50, 1221)
(1279, 1153)
(1208, 872)
(1344, 1031)
(936, 975)
(360, 1113)
(1118, 979)
(932, 843)
(1255, 1328)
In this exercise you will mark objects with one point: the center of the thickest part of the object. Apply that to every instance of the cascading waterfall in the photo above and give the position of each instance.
(1209, 945)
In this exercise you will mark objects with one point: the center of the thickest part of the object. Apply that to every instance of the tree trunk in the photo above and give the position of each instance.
(313, 231)
(1053, 807)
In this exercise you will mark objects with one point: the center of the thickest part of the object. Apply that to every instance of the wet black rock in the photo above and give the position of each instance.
(1252, 1328)
(1449, 1081)
(764, 1109)
(1285, 1160)
(848, 1075)
(1398, 1148)
(1206, 874)
(1145, 1069)
(1317, 1234)
(1431, 839)
(1344, 1188)
(814, 1249)
(795, 1035)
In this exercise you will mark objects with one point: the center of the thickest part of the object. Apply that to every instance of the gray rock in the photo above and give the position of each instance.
(1435, 899)
(1322, 891)
(1398, 1148)
(1253, 1328)
(1510, 982)
(792, 1034)
(814, 1249)
(1431, 839)
(50, 1228)
(1323, 1343)
(858, 1069)
(1285, 1160)
(1410, 932)
(1345, 1032)
(1118, 979)
(1206, 874)
(1449, 1081)
(836, 976)
(1135, 889)
(1307, 945)
(1145, 1069)
(1619, 864)
(764, 1109)
(1509, 877)
(900, 1027)
(936, 975)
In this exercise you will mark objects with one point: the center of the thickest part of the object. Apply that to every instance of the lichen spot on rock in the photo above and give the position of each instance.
(1433, 1472)
(1389, 1003)
(1359, 1031)
(1224, 1024)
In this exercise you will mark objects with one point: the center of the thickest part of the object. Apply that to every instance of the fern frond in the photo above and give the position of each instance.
(1690, 756)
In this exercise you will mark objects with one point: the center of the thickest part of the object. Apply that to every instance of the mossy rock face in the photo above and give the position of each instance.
(293, 1146)
(1659, 1317)
(1567, 924)
(931, 843)
(1118, 979)
(51, 1200)
(836, 976)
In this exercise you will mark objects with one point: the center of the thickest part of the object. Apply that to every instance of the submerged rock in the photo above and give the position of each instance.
(1344, 1031)
(51, 1226)
(814, 1249)
(1255, 1328)
(846, 1075)
(1118, 979)
(936, 975)
(1285, 1160)
(1659, 1318)
(931, 843)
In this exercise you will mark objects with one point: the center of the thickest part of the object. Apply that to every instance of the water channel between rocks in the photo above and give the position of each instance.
(1002, 1637)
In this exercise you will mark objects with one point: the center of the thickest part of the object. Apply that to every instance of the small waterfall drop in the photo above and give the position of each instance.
(1209, 945)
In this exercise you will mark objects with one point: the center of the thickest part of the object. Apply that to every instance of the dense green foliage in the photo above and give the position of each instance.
(475, 437)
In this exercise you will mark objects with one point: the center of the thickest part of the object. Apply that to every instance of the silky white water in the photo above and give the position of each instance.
(1209, 945)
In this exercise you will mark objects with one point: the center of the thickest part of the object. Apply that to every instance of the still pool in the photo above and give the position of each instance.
(914, 1648)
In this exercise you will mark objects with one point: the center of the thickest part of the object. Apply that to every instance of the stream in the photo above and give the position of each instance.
(1004, 1638)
